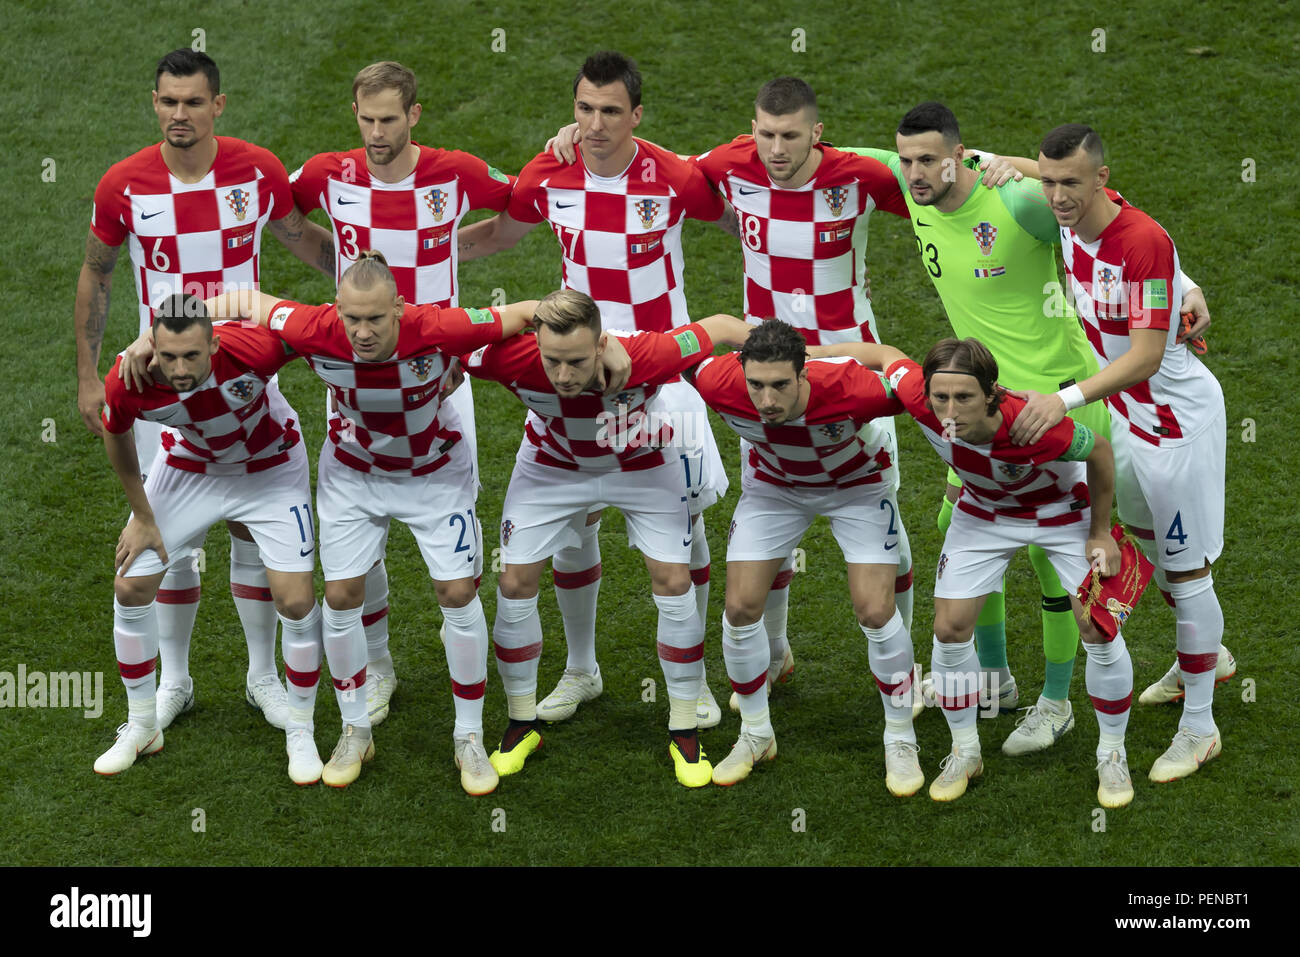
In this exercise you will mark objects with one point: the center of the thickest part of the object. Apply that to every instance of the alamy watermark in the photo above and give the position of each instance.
(53, 689)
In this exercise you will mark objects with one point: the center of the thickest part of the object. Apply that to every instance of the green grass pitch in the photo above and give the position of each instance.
(1196, 106)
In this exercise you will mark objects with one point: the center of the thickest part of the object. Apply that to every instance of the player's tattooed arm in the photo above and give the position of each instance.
(90, 317)
(310, 242)
(728, 222)
(517, 316)
(489, 236)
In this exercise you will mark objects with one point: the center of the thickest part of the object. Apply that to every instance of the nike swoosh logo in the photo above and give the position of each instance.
(348, 202)
(919, 223)
(1201, 761)
(564, 205)
(335, 366)
(888, 547)
(151, 215)
(1176, 551)
(686, 543)
(305, 552)
(747, 192)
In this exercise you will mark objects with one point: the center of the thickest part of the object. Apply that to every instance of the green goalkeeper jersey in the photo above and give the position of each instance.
(993, 262)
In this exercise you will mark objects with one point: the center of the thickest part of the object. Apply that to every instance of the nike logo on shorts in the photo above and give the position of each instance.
(1171, 552)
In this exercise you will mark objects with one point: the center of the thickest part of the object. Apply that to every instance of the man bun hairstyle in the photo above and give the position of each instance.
(371, 267)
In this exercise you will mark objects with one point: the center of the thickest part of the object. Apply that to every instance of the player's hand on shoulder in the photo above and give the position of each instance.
(1040, 413)
(561, 144)
(998, 170)
(137, 360)
(615, 367)
(139, 536)
(90, 400)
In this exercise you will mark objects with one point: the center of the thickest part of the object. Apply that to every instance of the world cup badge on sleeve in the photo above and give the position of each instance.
(986, 234)
(237, 200)
(1110, 601)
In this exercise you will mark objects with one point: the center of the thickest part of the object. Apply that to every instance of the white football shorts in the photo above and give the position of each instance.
(546, 509)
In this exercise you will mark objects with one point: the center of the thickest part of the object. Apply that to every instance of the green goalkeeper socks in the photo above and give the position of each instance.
(1060, 631)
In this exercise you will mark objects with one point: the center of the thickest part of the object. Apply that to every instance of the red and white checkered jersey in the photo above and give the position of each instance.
(827, 446)
(391, 416)
(413, 223)
(620, 236)
(1002, 481)
(201, 238)
(1129, 279)
(590, 431)
(225, 425)
(803, 247)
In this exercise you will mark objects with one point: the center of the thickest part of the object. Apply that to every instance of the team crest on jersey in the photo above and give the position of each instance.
(507, 529)
(624, 398)
(986, 234)
(1107, 281)
(943, 563)
(421, 366)
(647, 210)
(1012, 470)
(832, 430)
(242, 388)
(237, 200)
(835, 198)
(436, 200)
